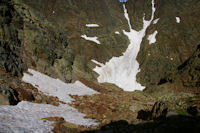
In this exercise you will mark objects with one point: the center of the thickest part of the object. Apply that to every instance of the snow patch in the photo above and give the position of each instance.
(56, 87)
(122, 70)
(92, 25)
(93, 39)
(156, 21)
(98, 63)
(152, 37)
(27, 117)
(117, 32)
(178, 20)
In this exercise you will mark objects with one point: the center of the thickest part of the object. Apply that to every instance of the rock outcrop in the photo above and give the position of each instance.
(175, 42)
(8, 96)
(158, 112)
(189, 71)
(11, 46)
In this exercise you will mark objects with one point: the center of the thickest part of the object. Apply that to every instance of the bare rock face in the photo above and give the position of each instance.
(189, 71)
(8, 96)
(175, 42)
(159, 111)
(11, 47)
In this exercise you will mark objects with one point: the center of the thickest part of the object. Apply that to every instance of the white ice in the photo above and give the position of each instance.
(93, 39)
(117, 32)
(56, 87)
(122, 70)
(26, 117)
(92, 25)
(178, 20)
(152, 37)
(156, 21)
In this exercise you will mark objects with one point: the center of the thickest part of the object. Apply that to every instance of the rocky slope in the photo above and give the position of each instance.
(175, 42)
(45, 35)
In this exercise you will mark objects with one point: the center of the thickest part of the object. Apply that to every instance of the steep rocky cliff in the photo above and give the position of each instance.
(46, 35)
(175, 42)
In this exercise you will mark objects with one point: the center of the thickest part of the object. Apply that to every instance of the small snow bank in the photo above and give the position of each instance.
(56, 87)
(27, 117)
(152, 37)
(156, 21)
(92, 25)
(117, 32)
(178, 20)
(122, 70)
(93, 39)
